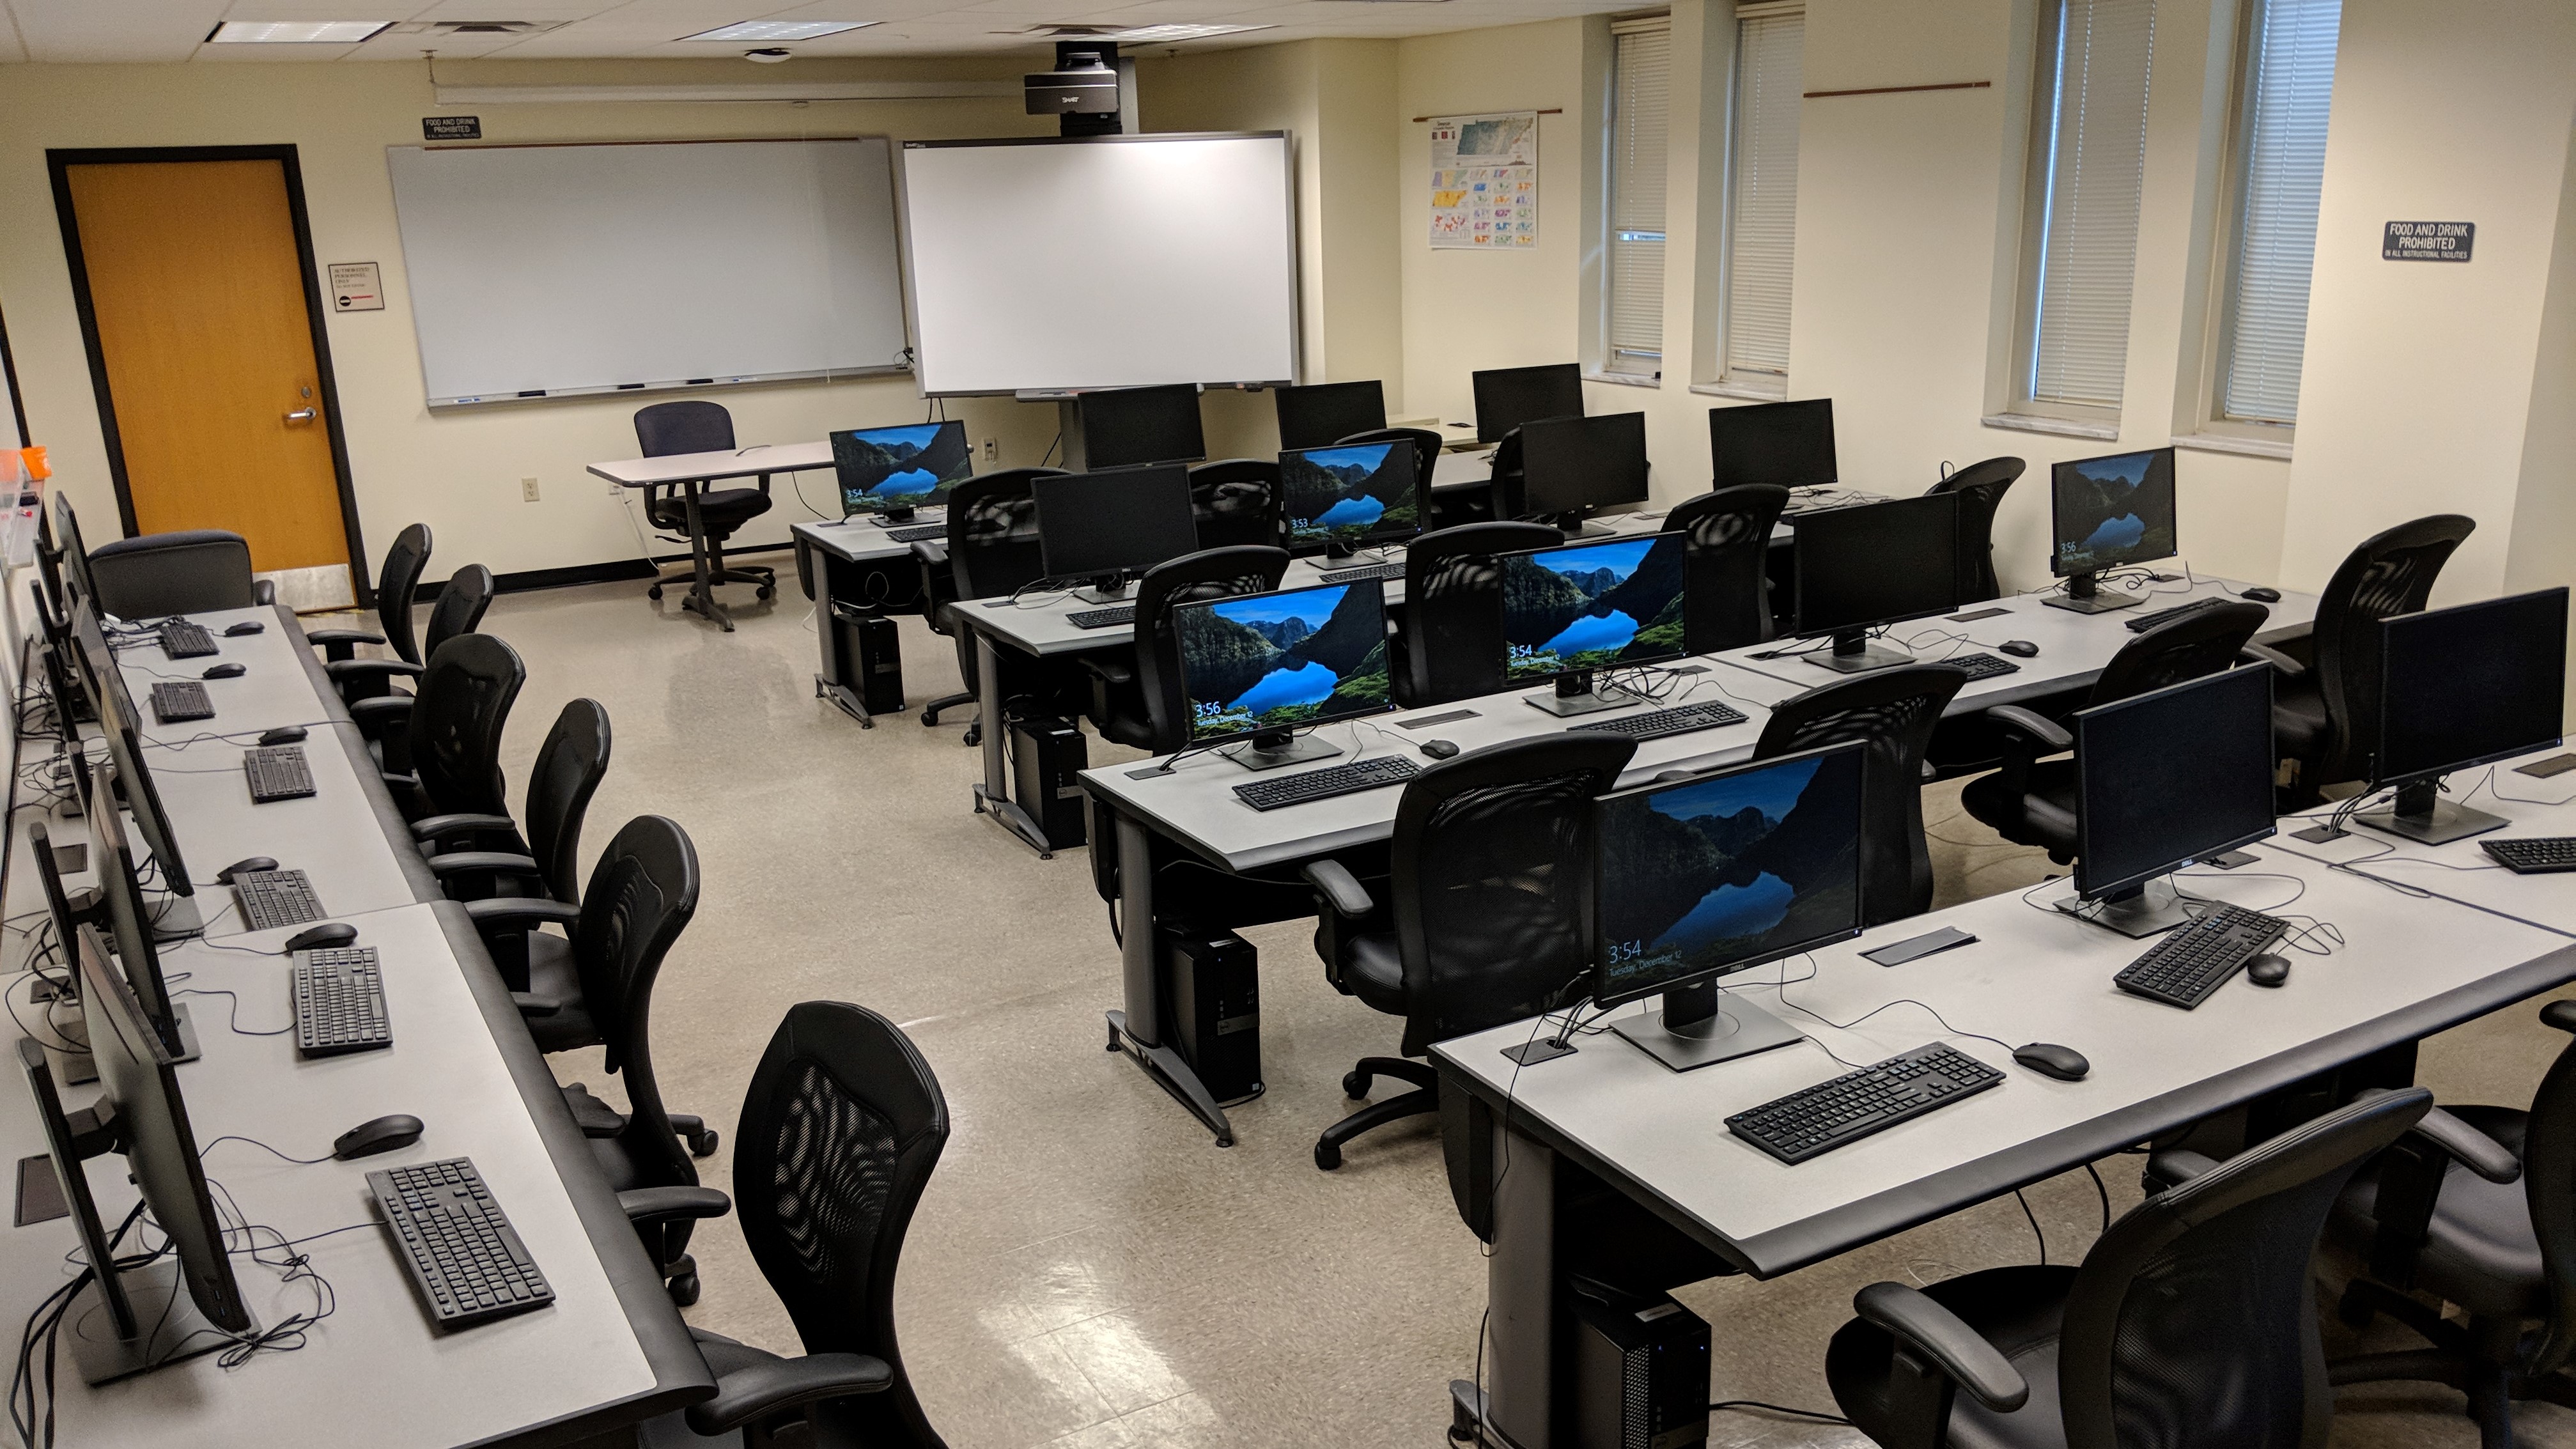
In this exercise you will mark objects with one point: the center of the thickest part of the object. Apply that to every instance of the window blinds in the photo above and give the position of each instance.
(1762, 228)
(2094, 90)
(1640, 92)
(2289, 80)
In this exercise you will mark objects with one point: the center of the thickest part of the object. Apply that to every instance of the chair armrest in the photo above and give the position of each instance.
(2560, 1014)
(507, 911)
(932, 553)
(1338, 888)
(768, 1388)
(381, 715)
(2266, 654)
(1111, 669)
(499, 862)
(2460, 1142)
(263, 592)
(1937, 1336)
(439, 827)
(2046, 735)
(339, 644)
(531, 1004)
(2177, 1165)
(345, 670)
(648, 1206)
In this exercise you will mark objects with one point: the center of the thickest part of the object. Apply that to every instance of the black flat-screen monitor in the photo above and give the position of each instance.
(1357, 494)
(1873, 564)
(1261, 665)
(1324, 413)
(1127, 426)
(893, 471)
(1789, 444)
(2470, 685)
(1121, 522)
(129, 917)
(67, 537)
(2109, 513)
(1508, 397)
(1575, 466)
(2171, 777)
(122, 728)
(1587, 606)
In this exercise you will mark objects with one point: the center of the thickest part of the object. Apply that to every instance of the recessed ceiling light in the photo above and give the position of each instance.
(295, 32)
(1168, 34)
(779, 29)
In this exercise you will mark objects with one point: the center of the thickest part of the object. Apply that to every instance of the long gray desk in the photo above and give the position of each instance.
(1693, 1201)
(2462, 871)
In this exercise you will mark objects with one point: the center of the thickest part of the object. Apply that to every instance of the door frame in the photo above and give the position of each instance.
(57, 164)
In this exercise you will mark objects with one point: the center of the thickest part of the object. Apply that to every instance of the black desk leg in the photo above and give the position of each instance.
(701, 599)
(1138, 1030)
(1515, 1407)
(994, 795)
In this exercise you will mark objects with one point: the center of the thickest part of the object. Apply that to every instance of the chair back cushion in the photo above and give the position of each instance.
(455, 734)
(1727, 532)
(460, 606)
(570, 765)
(1236, 502)
(2176, 650)
(1426, 457)
(2389, 574)
(155, 575)
(1980, 487)
(1212, 573)
(1894, 712)
(682, 427)
(1453, 608)
(396, 583)
(993, 533)
(640, 898)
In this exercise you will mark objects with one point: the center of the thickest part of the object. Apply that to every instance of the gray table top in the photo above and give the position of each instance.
(2462, 871)
(743, 462)
(2409, 968)
(859, 539)
(275, 691)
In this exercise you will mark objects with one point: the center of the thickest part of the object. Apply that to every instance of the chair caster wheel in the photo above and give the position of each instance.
(703, 1144)
(684, 1290)
(974, 737)
(764, 592)
(654, 592)
(1355, 1085)
(1327, 1156)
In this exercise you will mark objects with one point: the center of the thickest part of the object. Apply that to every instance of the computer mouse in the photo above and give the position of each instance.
(2049, 1059)
(1439, 749)
(382, 1135)
(254, 862)
(246, 626)
(2261, 594)
(2268, 970)
(282, 735)
(2019, 648)
(225, 671)
(329, 933)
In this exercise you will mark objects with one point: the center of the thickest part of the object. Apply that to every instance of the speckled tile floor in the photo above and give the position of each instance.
(1087, 1271)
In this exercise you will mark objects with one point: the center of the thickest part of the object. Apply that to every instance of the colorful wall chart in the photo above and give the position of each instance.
(1484, 180)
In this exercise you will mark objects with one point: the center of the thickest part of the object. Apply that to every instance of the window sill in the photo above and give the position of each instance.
(1753, 392)
(2225, 443)
(1625, 379)
(2061, 427)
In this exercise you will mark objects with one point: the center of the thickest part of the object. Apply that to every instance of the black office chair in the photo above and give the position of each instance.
(188, 571)
(1727, 538)
(839, 1134)
(396, 582)
(1137, 700)
(1236, 502)
(1981, 488)
(1510, 480)
(480, 855)
(452, 742)
(991, 550)
(2191, 1321)
(2031, 799)
(2440, 1214)
(1426, 455)
(1484, 916)
(1448, 642)
(665, 429)
(2325, 707)
(1894, 712)
(379, 710)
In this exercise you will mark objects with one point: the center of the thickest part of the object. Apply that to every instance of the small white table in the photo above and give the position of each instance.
(691, 473)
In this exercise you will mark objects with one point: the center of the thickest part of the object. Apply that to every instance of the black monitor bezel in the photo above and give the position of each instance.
(2390, 628)
(1093, 463)
(97, 1248)
(129, 915)
(2084, 870)
(1062, 482)
(122, 729)
(1375, 538)
(1503, 563)
(1833, 460)
(1832, 518)
(1589, 485)
(1180, 657)
(1490, 429)
(939, 496)
(2057, 512)
(75, 554)
(1301, 394)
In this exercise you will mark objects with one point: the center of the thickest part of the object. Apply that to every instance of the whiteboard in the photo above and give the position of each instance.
(1101, 261)
(544, 270)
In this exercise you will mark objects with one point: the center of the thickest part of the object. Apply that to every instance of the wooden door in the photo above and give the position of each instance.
(204, 348)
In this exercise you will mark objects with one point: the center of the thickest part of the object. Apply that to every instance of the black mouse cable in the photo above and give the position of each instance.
(210, 1146)
(234, 1019)
(1783, 985)
(234, 738)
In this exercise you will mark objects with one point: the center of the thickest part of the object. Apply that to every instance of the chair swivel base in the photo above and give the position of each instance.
(1424, 1098)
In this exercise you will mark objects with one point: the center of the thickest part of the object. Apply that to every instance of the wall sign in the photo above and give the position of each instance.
(2428, 241)
(451, 128)
(1484, 181)
(356, 288)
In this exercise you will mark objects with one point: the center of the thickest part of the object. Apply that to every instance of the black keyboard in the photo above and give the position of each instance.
(1828, 1115)
(340, 1002)
(916, 535)
(277, 772)
(1347, 779)
(2534, 854)
(1656, 724)
(183, 700)
(2144, 622)
(2196, 959)
(1102, 618)
(1982, 666)
(463, 1254)
(273, 898)
(183, 640)
(1369, 571)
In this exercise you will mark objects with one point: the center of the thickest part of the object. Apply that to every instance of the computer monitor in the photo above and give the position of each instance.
(1508, 397)
(60, 674)
(1127, 426)
(59, 907)
(1574, 467)
(2463, 687)
(1341, 499)
(1790, 444)
(2162, 780)
(1324, 413)
(67, 537)
(49, 566)
(130, 921)
(1260, 666)
(1873, 564)
(892, 471)
(1108, 527)
(2108, 513)
(1571, 611)
(1705, 877)
(122, 728)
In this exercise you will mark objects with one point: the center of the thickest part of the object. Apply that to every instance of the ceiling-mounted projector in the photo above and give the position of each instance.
(1077, 90)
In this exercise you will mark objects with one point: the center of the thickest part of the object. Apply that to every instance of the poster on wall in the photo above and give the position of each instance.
(1484, 180)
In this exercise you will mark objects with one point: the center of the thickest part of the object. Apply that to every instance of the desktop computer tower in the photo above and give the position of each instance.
(1641, 1372)
(1046, 755)
(1213, 1018)
(870, 659)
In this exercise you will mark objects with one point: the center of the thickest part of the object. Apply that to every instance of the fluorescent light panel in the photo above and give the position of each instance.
(295, 32)
(1168, 34)
(779, 30)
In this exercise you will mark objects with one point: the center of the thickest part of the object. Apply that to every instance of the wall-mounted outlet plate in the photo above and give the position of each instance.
(527, 490)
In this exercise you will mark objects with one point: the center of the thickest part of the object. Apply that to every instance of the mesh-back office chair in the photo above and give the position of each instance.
(155, 575)
(1726, 537)
(396, 582)
(2326, 706)
(1137, 700)
(1449, 640)
(454, 737)
(670, 428)
(2030, 799)
(385, 716)
(479, 855)
(1981, 488)
(1894, 712)
(991, 550)
(1236, 502)
(1485, 916)
(2190, 1323)
(839, 1133)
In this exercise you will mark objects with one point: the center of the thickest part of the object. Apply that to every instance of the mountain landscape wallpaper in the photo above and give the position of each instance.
(907, 467)
(1268, 662)
(1350, 495)
(1593, 606)
(2113, 510)
(1729, 871)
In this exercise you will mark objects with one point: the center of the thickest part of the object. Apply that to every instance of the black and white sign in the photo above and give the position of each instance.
(2428, 241)
(355, 287)
(451, 128)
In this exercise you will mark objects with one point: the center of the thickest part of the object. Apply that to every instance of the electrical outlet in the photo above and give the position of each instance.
(527, 490)
(992, 451)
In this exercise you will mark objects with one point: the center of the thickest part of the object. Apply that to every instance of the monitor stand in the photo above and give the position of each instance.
(1700, 1027)
(1270, 751)
(2083, 597)
(2137, 912)
(2420, 813)
(1108, 589)
(178, 918)
(1854, 654)
(173, 1330)
(1577, 694)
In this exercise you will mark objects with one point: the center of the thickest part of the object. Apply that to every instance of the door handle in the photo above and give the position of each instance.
(300, 415)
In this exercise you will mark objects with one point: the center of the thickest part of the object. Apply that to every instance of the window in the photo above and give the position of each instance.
(1762, 194)
(2280, 157)
(2087, 160)
(1641, 66)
